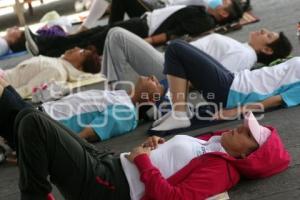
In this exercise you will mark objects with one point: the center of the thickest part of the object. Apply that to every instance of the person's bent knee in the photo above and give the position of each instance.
(23, 113)
(177, 44)
(175, 58)
(116, 35)
(25, 123)
(174, 49)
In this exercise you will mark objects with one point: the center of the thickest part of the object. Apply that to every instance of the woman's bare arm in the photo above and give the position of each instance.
(157, 39)
(233, 113)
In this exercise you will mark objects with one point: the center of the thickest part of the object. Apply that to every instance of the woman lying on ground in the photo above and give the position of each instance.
(13, 41)
(136, 8)
(74, 64)
(94, 114)
(162, 24)
(230, 93)
(124, 49)
(182, 168)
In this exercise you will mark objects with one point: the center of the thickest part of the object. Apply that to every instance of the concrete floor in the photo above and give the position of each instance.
(62, 7)
(278, 15)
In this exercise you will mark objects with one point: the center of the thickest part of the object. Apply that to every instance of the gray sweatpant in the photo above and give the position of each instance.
(124, 52)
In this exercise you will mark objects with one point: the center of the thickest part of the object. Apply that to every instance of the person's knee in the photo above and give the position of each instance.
(174, 51)
(175, 47)
(116, 35)
(178, 44)
(175, 56)
(23, 113)
(26, 121)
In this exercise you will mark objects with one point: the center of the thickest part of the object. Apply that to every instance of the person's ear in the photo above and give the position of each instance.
(267, 50)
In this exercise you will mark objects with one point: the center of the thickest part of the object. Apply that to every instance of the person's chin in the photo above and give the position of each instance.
(227, 135)
(223, 140)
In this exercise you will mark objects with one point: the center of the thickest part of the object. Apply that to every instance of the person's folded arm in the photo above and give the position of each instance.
(202, 180)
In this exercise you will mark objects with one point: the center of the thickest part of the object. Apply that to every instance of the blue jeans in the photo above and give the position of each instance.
(206, 74)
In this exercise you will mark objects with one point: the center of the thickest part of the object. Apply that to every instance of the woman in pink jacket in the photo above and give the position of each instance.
(182, 168)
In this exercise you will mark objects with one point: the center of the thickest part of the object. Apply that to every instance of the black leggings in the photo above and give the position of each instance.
(10, 105)
(56, 46)
(119, 7)
(206, 74)
(78, 169)
(46, 147)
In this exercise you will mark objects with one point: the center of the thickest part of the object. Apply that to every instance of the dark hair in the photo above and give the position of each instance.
(235, 11)
(281, 47)
(92, 63)
(19, 45)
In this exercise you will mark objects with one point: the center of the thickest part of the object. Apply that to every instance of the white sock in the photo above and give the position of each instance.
(175, 120)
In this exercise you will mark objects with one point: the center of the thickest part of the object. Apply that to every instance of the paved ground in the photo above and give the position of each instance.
(62, 7)
(275, 14)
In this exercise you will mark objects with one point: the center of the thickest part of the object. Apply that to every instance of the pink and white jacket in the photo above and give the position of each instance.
(213, 173)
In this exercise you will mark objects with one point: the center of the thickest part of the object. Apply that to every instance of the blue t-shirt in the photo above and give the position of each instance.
(108, 113)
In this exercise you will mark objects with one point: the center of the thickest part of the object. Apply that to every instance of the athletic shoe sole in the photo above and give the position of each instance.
(30, 43)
